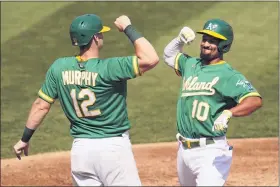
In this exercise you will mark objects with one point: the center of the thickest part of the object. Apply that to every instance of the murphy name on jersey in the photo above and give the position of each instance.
(79, 78)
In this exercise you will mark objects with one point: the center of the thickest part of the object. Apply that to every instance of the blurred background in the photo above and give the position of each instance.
(34, 34)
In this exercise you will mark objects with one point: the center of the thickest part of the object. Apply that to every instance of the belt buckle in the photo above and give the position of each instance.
(186, 142)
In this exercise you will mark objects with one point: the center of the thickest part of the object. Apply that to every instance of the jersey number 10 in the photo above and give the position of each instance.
(85, 103)
(197, 110)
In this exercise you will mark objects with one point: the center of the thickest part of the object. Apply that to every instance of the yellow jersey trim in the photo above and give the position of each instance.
(135, 66)
(79, 58)
(220, 62)
(212, 33)
(249, 95)
(176, 65)
(45, 97)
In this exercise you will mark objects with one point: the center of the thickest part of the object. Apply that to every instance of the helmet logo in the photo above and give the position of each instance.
(211, 26)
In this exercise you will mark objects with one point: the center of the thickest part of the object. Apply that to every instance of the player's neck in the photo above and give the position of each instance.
(213, 61)
(88, 54)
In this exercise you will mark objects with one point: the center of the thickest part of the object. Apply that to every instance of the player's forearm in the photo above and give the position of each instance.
(37, 113)
(246, 107)
(171, 51)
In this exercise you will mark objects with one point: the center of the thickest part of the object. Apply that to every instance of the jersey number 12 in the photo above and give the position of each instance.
(200, 110)
(85, 103)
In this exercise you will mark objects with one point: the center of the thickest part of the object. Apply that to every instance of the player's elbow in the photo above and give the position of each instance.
(154, 60)
(148, 63)
(166, 53)
(258, 102)
(42, 105)
(255, 103)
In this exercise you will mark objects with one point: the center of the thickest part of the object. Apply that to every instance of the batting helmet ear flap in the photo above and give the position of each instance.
(225, 48)
(224, 45)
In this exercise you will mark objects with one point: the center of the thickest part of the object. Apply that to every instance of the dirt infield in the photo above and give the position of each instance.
(255, 163)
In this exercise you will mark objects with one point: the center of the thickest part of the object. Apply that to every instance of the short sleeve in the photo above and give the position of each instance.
(238, 88)
(180, 63)
(123, 68)
(48, 91)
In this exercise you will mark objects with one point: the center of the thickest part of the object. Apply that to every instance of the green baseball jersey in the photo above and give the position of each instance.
(205, 91)
(92, 93)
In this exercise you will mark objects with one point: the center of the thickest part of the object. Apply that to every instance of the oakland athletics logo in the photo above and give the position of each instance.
(194, 87)
(211, 26)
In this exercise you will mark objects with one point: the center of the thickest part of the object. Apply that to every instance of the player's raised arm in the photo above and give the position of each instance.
(186, 36)
(147, 55)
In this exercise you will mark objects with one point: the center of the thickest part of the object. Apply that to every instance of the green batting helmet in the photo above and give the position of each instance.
(84, 27)
(219, 29)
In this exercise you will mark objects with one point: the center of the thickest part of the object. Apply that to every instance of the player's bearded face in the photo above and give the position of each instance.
(209, 48)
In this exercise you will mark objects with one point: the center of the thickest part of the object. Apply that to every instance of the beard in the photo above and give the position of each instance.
(206, 57)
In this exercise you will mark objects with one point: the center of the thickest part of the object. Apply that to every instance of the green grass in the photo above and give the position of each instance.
(27, 14)
(27, 54)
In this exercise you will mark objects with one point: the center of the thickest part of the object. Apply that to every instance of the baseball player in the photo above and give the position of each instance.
(92, 92)
(211, 93)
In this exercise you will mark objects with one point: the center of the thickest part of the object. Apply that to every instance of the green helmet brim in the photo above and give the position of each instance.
(105, 29)
(212, 33)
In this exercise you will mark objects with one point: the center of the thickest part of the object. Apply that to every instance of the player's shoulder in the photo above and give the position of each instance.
(62, 60)
(60, 63)
(230, 71)
(118, 58)
(187, 60)
(185, 56)
(116, 61)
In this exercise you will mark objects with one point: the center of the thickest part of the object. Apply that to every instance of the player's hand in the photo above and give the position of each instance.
(186, 35)
(221, 123)
(19, 147)
(122, 22)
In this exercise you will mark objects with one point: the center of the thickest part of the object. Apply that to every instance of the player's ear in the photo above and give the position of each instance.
(95, 39)
(98, 36)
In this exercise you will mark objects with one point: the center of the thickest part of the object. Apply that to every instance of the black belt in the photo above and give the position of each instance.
(188, 144)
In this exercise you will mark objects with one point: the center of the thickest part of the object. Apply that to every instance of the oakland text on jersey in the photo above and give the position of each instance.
(202, 88)
(79, 78)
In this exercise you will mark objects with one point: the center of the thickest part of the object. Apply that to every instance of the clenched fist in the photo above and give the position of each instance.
(19, 147)
(186, 35)
(122, 22)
